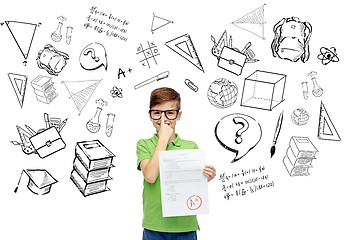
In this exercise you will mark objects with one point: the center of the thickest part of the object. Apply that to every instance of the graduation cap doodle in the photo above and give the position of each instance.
(40, 181)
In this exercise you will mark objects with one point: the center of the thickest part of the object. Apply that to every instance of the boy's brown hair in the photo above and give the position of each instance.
(164, 94)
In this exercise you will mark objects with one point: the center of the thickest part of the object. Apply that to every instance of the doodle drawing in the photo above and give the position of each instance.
(158, 22)
(328, 55)
(252, 22)
(149, 53)
(317, 91)
(44, 89)
(183, 46)
(91, 167)
(300, 116)
(291, 41)
(81, 91)
(116, 92)
(68, 35)
(156, 78)
(19, 86)
(40, 181)
(326, 128)
(93, 125)
(305, 90)
(23, 34)
(25, 143)
(109, 124)
(276, 134)
(222, 93)
(191, 85)
(56, 36)
(238, 133)
(51, 59)
(93, 56)
(299, 156)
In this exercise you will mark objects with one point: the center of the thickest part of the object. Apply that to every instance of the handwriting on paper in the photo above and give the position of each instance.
(107, 24)
(245, 181)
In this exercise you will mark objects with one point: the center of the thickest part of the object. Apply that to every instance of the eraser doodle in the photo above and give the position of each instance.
(238, 133)
(93, 56)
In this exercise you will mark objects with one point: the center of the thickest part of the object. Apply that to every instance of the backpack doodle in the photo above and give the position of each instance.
(291, 39)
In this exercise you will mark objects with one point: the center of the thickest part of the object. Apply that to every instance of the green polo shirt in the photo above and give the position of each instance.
(152, 206)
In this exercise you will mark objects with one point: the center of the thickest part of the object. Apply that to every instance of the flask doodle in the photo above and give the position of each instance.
(238, 140)
(93, 56)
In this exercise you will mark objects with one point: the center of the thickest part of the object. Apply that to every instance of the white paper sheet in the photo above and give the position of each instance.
(184, 188)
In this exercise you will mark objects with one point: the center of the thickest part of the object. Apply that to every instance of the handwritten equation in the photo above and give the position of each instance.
(245, 181)
(107, 24)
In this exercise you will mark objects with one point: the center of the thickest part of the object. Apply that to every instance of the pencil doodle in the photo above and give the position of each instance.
(299, 156)
(191, 85)
(116, 92)
(149, 53)
(222, 93)
(239, 140)
(93, 125)
(23, 34)
(44, 89)
(19, 86)
(305, 90)
(40, 181)
(81, 91)
(291, 41)
(252, 22)
(51, 59)
(158, 77)
(300, 116)
(183, 46)
(317, 91)
(91, 167)
(276, 134)
(326, 128)
(109, 124)
(56, 36)
(158, 22)
(93, 56)
(263, 90)
(328, 55)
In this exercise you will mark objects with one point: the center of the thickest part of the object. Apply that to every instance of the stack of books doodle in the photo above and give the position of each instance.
(299, 156)
(44, 89)
(91, 167)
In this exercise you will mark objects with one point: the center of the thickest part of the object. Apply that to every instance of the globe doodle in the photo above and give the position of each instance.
(222, 93)
(300, 116)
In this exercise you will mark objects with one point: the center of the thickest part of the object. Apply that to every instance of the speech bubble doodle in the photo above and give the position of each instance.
(238, 133)
(93, 56)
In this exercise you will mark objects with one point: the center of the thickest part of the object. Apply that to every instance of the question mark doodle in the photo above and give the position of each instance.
(245, 126)
(92, 54)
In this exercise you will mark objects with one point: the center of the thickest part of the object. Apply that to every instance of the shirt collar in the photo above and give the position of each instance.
(176, 142)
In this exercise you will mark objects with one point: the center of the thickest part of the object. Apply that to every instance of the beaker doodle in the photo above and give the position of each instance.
(56, 35)
(109, 125)
(93, 125)
(317, 91)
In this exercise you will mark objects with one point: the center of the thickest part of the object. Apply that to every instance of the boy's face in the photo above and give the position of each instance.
(170, 105)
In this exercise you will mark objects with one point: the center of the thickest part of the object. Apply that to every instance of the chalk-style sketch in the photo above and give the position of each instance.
(252, 22)
(51, 59)
(23, 34)
(25, 143)
(276, 134)
(300, 116)
(299, 155)
(91, 167)
(305, 90)
(93, 125)
(222, 93)
(238, 133)
(40, 181)
(81, 91)
(149, 54)
(19, 86)
(191, 85)
(328, 55)
(116, 92)
(263, 90)
(183, 46)
(56, 36)
(109, 124)
(93, 56)
(317, 91)
(326, 128)
(158, 77)
(291, 41)
(68, 35)
(44, 89)
(229, 57)
(158, 22)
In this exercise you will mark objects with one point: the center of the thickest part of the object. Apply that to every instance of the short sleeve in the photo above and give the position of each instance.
(142, 152)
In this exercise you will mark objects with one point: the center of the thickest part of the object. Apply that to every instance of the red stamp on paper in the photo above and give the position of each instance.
(194, 202)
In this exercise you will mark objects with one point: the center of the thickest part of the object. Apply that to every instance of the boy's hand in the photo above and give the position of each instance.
(209, 171)
(165, 129)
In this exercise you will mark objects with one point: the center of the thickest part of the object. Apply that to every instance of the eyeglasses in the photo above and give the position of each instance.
(170, 114)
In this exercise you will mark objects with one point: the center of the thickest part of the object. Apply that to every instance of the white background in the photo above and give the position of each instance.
(296, 207)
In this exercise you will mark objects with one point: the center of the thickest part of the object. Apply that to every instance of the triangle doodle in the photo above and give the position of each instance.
(158, 22)
(183, 46)
(326, 128)
(19, 85)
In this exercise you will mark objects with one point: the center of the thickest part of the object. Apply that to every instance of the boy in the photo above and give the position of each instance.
(164, 113)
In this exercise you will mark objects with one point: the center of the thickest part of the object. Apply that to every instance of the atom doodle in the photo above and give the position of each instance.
(328, 55)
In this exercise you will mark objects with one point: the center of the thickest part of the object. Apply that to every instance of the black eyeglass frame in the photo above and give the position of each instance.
(164, 111)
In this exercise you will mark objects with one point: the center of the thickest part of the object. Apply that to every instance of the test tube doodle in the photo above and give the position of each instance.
(109, 125)
(68, 35)
(305, 90)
